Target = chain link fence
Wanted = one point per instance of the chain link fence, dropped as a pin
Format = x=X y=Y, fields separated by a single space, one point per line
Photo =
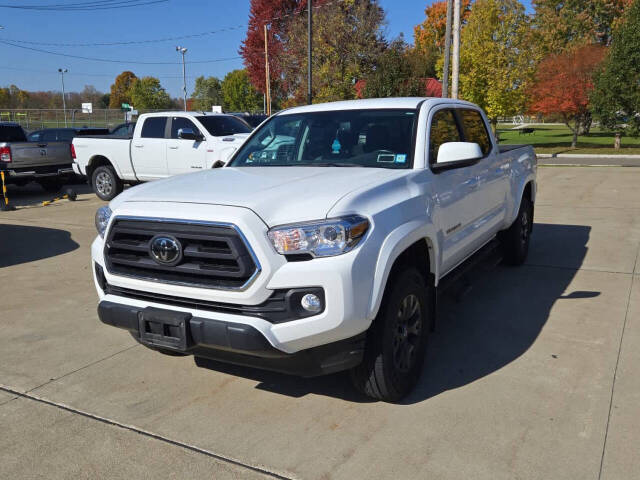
x=35 y=119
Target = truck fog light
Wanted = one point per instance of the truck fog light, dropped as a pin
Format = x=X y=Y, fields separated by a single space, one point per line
x=311 y=303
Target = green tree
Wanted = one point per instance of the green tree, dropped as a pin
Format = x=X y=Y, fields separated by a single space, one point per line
x=347 y=40
x=147 y=93
x=208 y=92
x=120 y=89
x=560 y=25
x=5 y=98
x=394 y=75
x=496 y=57
x=104 y=101
x=616 y=98
x=238 y=93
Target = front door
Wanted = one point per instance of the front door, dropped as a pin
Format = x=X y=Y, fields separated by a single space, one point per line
x=455 y=193
x=149 y=151
x=184 y=155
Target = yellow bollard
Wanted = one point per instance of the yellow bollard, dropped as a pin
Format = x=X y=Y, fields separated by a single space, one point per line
x=4 y=205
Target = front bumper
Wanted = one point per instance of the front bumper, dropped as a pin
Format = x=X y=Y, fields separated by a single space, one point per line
x=346 y=280
x=228 y=342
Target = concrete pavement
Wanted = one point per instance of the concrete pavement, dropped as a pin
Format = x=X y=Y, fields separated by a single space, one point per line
x=534 y=374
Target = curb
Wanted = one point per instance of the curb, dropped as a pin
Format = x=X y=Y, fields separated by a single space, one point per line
x=587 y=155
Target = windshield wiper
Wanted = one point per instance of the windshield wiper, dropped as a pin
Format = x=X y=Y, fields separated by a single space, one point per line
x=332 y=164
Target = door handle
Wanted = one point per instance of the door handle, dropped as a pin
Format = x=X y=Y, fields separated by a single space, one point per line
x=173 y=148
x=138 y=146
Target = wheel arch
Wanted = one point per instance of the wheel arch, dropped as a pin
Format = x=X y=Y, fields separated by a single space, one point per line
x=100 y=161
x=411 y=244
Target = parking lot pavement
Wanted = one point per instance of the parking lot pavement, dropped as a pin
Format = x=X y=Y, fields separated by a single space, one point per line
x=533 y=374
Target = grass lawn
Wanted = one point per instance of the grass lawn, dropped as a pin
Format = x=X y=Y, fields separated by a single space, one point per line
x=557 y=139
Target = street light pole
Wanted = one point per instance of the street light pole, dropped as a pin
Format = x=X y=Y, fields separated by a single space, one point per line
x=309 y=50
x=183 y=50
x=64 y=102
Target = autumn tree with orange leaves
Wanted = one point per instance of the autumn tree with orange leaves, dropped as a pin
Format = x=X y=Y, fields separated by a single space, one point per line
x=563 y=83
x=431 y=33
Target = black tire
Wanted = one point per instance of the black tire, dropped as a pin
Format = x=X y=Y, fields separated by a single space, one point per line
x=105 y=182
x=397 y=340
x=515 y=240
x=51 y=185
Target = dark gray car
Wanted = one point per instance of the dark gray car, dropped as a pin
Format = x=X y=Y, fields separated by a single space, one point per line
x=45 y=160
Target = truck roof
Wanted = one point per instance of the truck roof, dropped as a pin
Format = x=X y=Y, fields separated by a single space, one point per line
x=373 y=103
x=186 y=114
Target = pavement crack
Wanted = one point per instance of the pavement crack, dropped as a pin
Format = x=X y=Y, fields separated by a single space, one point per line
x=145 y=433
x=615 y=370
x=82 y=368
x=561 y=267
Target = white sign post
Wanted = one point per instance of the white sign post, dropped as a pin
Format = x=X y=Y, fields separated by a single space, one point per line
x=216 y=108
x=87 y=108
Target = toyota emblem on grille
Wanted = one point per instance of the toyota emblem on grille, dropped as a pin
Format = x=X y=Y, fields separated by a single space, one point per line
x=165 y=250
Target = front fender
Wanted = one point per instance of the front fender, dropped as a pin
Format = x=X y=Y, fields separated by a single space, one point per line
x=394 y=244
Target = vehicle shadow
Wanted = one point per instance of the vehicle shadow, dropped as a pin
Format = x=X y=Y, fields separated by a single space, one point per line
x=23 y=244
x=494 y=323
x=33 y=194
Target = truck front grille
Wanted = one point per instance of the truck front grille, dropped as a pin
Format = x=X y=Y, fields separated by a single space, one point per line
x=211 y=255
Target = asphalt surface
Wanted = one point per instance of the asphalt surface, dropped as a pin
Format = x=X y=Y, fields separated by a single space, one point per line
x=534 y=373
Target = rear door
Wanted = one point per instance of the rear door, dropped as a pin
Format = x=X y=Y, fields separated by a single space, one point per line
x=185 y=155
x=149 y=150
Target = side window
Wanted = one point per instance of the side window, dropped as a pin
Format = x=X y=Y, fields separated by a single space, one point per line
x=180 y=122
x=154 y=127
x=475 y=129
x=35 y=136
x=444 y=128
x=49 y=136
x=65 y=135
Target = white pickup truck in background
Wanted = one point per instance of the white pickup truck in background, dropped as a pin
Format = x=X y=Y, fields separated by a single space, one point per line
x=321 y=245
x=163 y=144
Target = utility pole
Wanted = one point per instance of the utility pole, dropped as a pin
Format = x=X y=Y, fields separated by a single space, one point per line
x=309 y=50
x=183 y=50
x=64 y=101
x=266 y=71
x=447 y=51
x=455 y=69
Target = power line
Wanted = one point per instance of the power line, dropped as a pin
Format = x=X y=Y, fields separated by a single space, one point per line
x=84 y=74
x=131 y=42
x=166 y=39
x=95 y=5
x=94 y=59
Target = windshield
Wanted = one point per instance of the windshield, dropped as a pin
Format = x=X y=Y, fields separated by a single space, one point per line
x=359 y=138
x=219 y=126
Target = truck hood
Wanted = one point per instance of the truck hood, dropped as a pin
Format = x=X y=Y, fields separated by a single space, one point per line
x=277 y=194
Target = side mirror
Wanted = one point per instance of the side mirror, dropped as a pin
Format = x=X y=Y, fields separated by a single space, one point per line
x=452 y=152
x=188 y=134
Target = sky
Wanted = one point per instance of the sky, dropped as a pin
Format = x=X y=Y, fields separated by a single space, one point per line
x=34 y=70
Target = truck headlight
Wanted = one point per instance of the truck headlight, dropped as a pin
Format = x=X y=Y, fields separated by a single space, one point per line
x=102 y=220
x=321 y=238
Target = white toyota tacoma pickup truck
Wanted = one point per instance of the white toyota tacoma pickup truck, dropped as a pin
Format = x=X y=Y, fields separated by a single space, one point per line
x=163 y=144
x=321 y=245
